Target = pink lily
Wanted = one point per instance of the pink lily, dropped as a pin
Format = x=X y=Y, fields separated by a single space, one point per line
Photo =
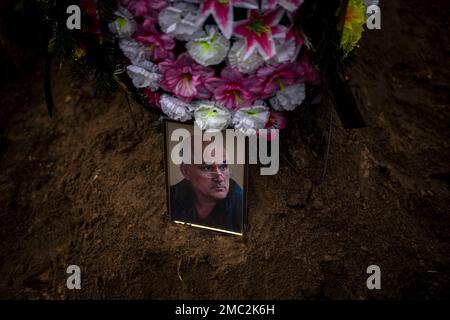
x=184 y=78
x=289 y=5
x=273 y=78
x=295 y=33
x=222 y=11
x=259 y=30
x=157 y=46
x=231 y=89
x=269 y=4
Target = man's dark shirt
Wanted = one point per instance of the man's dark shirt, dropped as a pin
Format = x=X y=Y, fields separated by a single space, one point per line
x=227 y=214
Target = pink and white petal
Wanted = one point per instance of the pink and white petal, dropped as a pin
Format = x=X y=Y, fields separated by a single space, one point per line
x=202 y=93
x=185 y=89
x=248 y=4
x=264 y=72
x=253 y=84
x=273 y=17
x=169 y=43
x=171 y=78
x=232 y=75
x=279 y=32
x=241 y=30
x=290 y=5
x=213 y=83
x=251 y=46
x=268 y=4
x=206 y=8
x=265 y=45
x=223 y=14
x=166 y=65
x=185 y=59
x=247 y=98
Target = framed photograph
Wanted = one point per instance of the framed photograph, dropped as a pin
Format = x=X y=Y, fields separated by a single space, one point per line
x=203 y=193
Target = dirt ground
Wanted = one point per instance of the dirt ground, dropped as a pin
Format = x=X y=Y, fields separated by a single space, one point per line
x=87 y=187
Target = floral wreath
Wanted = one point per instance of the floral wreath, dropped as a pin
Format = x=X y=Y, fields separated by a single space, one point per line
x=221 y=63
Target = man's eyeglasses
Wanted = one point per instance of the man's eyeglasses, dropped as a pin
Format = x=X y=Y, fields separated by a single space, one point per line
x=213 y=170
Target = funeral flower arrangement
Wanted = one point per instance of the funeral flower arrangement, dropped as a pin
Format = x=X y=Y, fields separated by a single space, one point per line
x=222 y=62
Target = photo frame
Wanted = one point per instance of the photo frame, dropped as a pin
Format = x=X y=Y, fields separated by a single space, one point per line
x=207 y=195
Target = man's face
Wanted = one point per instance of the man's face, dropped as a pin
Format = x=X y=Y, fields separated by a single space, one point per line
x=211 y=180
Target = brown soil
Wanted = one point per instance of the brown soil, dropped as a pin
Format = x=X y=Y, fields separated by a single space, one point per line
x=87 y=188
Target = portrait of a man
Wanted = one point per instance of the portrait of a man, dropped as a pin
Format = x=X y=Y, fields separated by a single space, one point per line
x=208 y=194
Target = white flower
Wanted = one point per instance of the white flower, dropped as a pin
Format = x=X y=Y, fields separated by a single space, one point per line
x=249 y=120
x=288 y=98
x=176 y=109
x=287 y=51
x=289 y=5
x=144 y=74
x=209 y=50
x=179 y=20
x=236 y=58
x=211 y=117
x=132 y=49
x=124 y=25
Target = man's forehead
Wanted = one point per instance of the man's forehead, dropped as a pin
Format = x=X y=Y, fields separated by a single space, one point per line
x=208 y=152
x=218 y=155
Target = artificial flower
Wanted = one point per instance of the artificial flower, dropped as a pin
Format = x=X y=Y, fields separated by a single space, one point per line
x=210 y=116
x=144 y=74
x=354 y=20
x=222 y=11
x=268 y=4
x=295 y=34
x=157 y=46
x=185 y=78
x=249 y=120
x=132 y=49
x=276 y=121
x=289 y=97
x=231 y=90
x=273 y=78
x=209 y=50
x=176 y=109
x=289 y=5
x=124 y=25
x=179 y=20
x=259 y=31
x=286 y=51
x=153 y=98
x=236 y=58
